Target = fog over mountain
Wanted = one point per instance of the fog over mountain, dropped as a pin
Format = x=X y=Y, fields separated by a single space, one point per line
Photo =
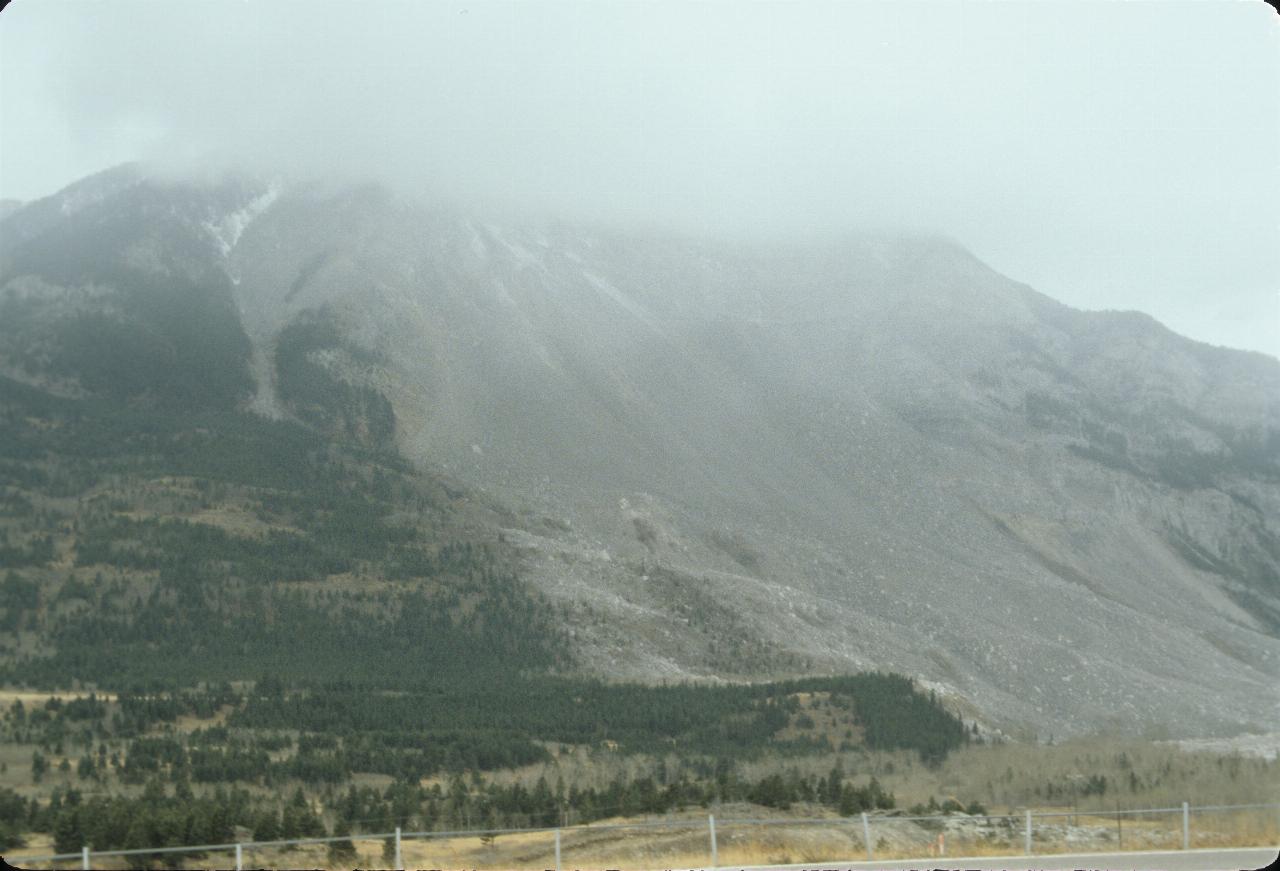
x=1114 y=155
x=725 y=459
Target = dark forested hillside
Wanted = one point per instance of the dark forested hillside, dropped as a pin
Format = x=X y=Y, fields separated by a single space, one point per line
x=182 y=547
x=147 y=549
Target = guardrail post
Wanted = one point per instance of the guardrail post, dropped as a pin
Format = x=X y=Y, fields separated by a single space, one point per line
x=1186 y=826
x=557 y=850
x=866 y=836
x=399 y=860
x=711 y=823
x=1027 y=838
x=84 y=858
x=239 y=857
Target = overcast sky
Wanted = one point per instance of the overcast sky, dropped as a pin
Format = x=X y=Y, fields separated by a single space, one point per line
x=1111 y=154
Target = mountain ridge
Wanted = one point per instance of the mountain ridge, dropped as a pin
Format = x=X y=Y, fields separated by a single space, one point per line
x=868 y=453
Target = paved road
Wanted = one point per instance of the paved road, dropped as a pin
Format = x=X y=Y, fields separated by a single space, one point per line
x=1174 y=860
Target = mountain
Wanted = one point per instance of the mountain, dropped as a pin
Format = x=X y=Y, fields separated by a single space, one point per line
x=715 y=458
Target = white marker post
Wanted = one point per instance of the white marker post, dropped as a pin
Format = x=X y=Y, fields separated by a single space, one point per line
x=557 y=850
x=866 y=836
x=711 y=822
x=84 y=858
x=1186 y=826
x=399 y=860
x=239 y=857
x=1028 y=837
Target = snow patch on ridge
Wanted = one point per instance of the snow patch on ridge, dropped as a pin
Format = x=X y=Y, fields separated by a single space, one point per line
x=629 y=305
x=227 y=232
x=523 y=256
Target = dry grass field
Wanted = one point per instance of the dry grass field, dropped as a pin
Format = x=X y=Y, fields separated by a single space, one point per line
x=1013 y=776
x=684 y=842
x=35 y=698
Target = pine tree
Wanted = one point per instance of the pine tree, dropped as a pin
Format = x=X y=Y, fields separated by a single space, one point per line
x=267 y=826
x=85 y=769
x=67 y=836
x=39 y=765
x=341 y=852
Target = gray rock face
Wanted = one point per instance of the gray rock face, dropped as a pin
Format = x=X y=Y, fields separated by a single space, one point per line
x=735 y=460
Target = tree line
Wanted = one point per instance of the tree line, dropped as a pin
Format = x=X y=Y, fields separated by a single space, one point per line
x=175 y=815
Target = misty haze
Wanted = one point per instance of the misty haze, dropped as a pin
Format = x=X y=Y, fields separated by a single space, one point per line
x=446 y=435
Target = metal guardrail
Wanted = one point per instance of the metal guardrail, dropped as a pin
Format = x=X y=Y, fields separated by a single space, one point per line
x=868 y=821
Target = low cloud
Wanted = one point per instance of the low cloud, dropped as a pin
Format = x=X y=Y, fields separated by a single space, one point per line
x=1112 y=155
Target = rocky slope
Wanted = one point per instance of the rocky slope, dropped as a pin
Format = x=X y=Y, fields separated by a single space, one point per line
x=726 y=459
